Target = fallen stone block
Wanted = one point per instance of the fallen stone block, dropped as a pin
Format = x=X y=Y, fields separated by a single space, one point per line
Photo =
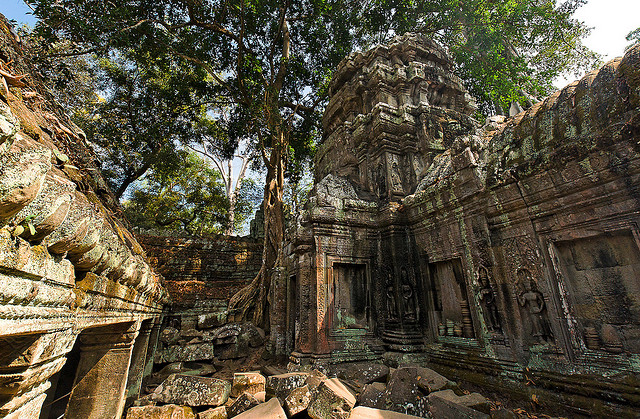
x=269 y=370
x=176 y=353
x=474 y=401
x=219 y=412
x=371 y=394
x=243 y=403
x=362 y=412
x=261 y=396
x=251 y=382
x=403 y=395
x=314 y=379
x=365 y=373
x=269 y=410
x=332 y=401
x=169 y=335
x=192 y=391
x=169 y=411
x=440 y=407
x=210 y=320
x=298 y=400
x=429 y=381
x=281 y=385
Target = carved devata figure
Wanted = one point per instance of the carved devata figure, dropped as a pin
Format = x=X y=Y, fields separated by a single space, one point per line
x=488 y=301
x=408 y=297
x=532 y=301
x=392 y=307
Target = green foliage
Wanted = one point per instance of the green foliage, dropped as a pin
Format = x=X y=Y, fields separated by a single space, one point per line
x=187 y=197
x=633 y=37
x=147 y=111
x=262 y=68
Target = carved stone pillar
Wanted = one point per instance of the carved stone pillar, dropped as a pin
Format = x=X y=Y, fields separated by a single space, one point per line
x=138 y=361
x=278 y=315
x=101 y=377
x=154 y=338
x=27 y=362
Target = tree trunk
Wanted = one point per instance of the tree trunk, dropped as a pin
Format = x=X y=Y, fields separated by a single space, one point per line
x=251 y=302
x=231 y=214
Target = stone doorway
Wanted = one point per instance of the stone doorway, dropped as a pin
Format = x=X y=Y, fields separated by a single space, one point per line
x=351 y=298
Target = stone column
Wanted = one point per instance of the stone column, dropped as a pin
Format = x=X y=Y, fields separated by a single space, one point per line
x=278 y=315
x=138 y=361
x=101 y=378
x=154 y=338
x=27 y=362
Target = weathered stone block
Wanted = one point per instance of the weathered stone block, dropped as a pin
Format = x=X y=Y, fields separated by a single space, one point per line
x=210 y=320
x=261 y=396
x=170 y=411
x=474 y=400
x=298 y=400
x=219 y=412
x=243 y=403
x=251 y=382
x=429 y=381
x=281 y=385
x=362 y=412
x=371 y=394
x=192 y=391
x=364 y=373
x=333 y=400
x=445 y=407
x=403 y=395
x=269 y=410
x=175 y=353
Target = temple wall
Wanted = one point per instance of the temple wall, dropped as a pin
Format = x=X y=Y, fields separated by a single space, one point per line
x=506 y=255
x=201 y=274
x=73 y=279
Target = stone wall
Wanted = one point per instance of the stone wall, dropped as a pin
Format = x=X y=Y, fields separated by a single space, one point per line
x=77 y=297
x=201 y=274
x=506 y=254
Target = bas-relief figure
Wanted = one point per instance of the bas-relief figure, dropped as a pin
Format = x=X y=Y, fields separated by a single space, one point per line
x=532 y=301
x=410 y=313
x=488 y=300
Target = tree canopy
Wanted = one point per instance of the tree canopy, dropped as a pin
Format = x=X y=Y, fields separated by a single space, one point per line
x=188 y=197
x=271 y=63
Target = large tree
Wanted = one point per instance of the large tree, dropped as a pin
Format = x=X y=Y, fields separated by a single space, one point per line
x=273 y=60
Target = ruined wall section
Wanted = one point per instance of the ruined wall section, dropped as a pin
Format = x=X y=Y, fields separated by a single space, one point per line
x=198 y=270
x=67 y=262
x=541 y=212
x=508 y=255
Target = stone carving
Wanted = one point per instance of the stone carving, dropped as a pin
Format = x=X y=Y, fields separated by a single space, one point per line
x=392 y=305
x=534 y=306
x=409 y=305
x=488 y=301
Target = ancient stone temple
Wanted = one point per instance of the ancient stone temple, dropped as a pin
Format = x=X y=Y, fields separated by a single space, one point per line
x=506 y=254
x=502 y=254
x=79 y=306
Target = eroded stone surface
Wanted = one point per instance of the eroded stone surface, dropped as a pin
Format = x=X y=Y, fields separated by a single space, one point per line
x=298 y=400
x=281 y=385
x=362 y=412
x=192 y=391
x=219 y=412
x=269 y=410
x=244 y=402
x=170 y=411
x=332 y=400
x=250 y=382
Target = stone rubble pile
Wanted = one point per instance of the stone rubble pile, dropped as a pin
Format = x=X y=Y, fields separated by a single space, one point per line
x=341 y=391
x=231 y=341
